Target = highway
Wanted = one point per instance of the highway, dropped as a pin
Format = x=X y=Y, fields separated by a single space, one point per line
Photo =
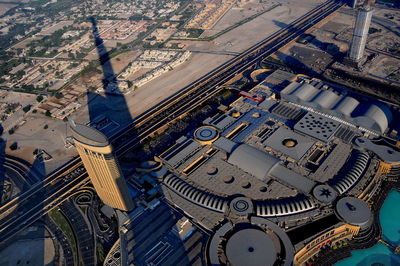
x=22 y=175
x=20 y=212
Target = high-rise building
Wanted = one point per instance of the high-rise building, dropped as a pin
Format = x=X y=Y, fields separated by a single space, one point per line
x=360 y=34
x=104 y=172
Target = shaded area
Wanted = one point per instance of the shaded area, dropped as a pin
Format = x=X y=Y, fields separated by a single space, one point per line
x=280 y=24
x=111 y=103
x=327 y=47
x=296 y=65
x=2 y=160
x=84 y=236
x=154 y=237
x=25 y=242
x=311 y=229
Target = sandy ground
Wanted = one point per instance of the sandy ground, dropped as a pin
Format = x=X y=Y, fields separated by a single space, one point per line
x=58 y=26
x=199 y=64
x=235 y=15
x=208 y=55
x=121 y=61
x=32 y=135
x=24 y=99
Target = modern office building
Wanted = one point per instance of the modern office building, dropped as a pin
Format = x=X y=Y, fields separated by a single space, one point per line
x=104 y=172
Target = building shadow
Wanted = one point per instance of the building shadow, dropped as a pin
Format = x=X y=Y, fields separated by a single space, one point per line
x=108 y=109
x=296 y=65
x=330 y=48
x=2 y=161
x=24 y=240
x=149 y=231
x=280 y=24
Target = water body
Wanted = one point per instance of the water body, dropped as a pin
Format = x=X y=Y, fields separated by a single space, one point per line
x=381 y=255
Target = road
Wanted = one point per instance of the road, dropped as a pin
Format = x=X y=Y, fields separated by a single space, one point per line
x=58 y=186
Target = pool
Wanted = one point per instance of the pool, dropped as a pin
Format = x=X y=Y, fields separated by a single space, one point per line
x=380 y=254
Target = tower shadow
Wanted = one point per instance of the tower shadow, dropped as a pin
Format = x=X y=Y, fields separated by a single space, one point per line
x=108 y=110
x=142 y=239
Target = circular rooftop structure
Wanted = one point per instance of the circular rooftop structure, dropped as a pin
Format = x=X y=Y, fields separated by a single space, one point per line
x=290 y=143
x=324 y=193
x=251 y=247
x=241 y=206
x=206 y=134
x=354 y=211
x=258 y=242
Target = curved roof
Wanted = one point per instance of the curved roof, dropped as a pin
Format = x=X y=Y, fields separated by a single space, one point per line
x=290 y=88
x=375 y=116
x=306 y=92
x=89 y=136
x=281 y=207
x=371 y=116
x=197 y=196
x=326 y=99
x=354 y=211
x=252 y=247
x=259 y=242
x=344 y=183
x=252 y=161
x=347 y=105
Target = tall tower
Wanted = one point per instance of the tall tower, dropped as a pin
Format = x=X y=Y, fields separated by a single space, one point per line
x=104 y=172
x=360 y=33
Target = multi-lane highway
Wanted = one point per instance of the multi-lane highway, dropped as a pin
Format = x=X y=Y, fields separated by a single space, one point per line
x=55 y=188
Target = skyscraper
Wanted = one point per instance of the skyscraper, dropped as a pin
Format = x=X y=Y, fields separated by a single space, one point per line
x=360 y=34
x=104 y=172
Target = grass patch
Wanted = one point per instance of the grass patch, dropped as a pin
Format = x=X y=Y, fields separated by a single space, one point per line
x=194 y=33
x=274 y=60
x=63 y=224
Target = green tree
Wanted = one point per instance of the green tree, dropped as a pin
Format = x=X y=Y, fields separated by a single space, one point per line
x=19 y=74
x=14 y=146
x=59 y=95
x=26 y=108
x=39 y=98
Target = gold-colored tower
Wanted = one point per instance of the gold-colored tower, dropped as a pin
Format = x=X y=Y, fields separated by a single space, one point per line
x=104 y=172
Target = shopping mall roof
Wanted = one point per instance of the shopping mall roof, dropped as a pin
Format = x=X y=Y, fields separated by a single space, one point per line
x=252 y=161
x=370 y=115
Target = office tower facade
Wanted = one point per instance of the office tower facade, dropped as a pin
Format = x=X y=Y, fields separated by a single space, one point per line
x=360 y=33
x=104 y=172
